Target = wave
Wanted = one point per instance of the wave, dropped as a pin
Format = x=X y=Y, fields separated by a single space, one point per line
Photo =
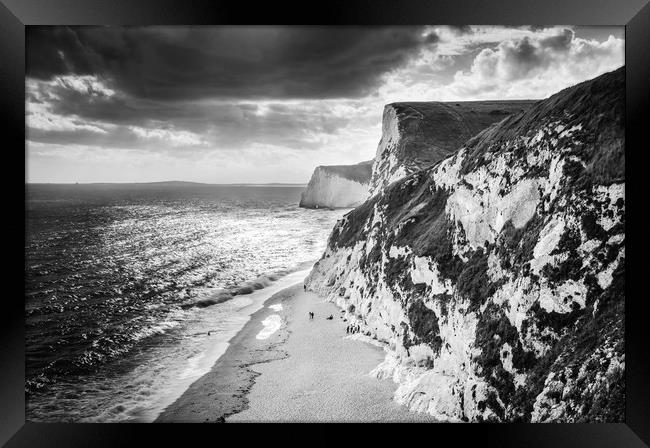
x=114 y=346
x=247 y=287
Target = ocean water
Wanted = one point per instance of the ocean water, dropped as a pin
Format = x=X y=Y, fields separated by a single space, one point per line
x=123 y=282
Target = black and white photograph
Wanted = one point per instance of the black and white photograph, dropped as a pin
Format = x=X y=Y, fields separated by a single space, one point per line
x=252 y=223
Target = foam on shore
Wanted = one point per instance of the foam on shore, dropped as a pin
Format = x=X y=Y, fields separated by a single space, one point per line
x=162 y=380
x=271 y=325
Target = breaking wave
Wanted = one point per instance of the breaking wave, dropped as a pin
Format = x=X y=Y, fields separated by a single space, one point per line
x=117 y=277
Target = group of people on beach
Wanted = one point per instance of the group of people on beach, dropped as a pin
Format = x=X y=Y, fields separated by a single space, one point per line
x=351 y=329
x=311 y=316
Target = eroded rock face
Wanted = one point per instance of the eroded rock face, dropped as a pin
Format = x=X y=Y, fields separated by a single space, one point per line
x=417 y=135
x=338 y=186
x=495 y=278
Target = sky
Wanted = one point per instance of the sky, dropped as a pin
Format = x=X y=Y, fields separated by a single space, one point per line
x=263 y=104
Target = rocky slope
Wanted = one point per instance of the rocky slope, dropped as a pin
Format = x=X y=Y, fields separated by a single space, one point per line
x=337 y=186
x=495 y=278
x=419 y=134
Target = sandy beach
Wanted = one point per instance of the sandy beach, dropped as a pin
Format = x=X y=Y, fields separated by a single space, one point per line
x=284 y=367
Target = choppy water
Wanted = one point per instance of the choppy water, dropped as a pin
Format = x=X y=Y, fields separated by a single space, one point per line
x=124 y=281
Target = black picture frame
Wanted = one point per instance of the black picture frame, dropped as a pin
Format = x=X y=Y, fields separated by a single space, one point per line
x=16 y=14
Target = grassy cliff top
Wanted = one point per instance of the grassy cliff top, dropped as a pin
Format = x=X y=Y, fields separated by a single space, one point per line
x=432 y=130
x=360 y=172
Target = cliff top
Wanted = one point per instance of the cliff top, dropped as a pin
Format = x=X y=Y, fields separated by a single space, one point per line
x=427 y=132
x=433 y=127
x=360 y=172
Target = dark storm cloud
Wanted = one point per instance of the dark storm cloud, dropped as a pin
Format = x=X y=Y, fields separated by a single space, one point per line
x=115 y=109
x=561 y=42
x=72 y=116
x=461 y=29
x=183 y=63
x=526 y=55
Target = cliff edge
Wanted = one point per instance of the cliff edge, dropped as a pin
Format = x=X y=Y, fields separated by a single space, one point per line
x=417 y=135
x=495 y=278
x=337 y=186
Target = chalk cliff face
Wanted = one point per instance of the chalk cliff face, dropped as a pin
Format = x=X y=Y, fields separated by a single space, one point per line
x=495 y=278
x=419 y=134
x=337 y=186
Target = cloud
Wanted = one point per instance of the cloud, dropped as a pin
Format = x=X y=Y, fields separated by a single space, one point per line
x=533 y=66
x=183 y=63
x=207 y=88
x=460 y=29
x=88 y=85
x=39 y=118
x=559 y=42
x=175 y=137
x=64 y=112
x=267 y=104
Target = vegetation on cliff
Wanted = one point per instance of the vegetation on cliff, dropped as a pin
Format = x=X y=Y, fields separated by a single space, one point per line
x=497 y=274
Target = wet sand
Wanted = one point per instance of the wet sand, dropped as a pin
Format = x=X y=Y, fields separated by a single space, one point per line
x=222 y=391
x=306 y=371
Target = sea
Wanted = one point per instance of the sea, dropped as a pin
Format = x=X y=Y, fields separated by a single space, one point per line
x=123 y=282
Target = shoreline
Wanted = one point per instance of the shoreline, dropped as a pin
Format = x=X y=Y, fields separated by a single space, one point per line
x=222 y=391
x=304 y=370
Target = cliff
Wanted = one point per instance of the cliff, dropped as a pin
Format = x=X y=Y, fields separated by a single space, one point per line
x=419 y=134
x=337 y=186
x=495 y=278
